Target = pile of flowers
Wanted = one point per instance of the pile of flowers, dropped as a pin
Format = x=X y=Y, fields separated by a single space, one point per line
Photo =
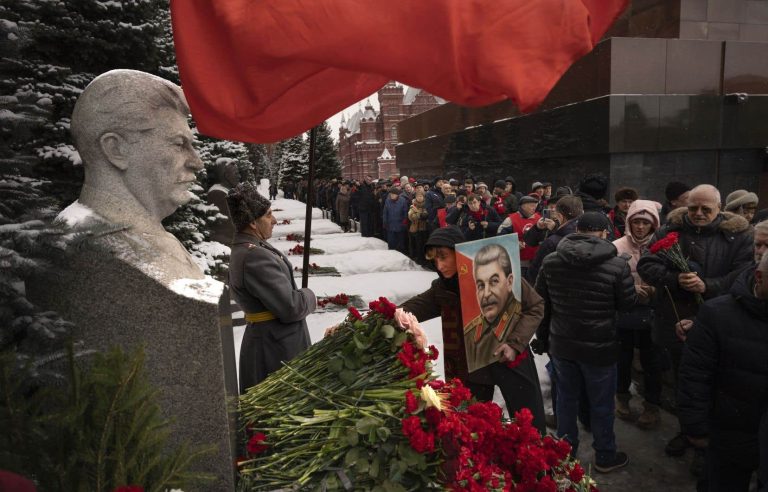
x=668 y=248
x=339 y=299
x=299 y=250
x=315 y=269
x=294 y=237
x=361 y=410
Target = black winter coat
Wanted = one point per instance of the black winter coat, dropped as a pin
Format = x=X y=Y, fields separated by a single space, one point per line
x=584 y=285
x=724 y=370
x=548 y=246
x=715 y=251
x=462 y=217
x=367 y=198
x=434 y=201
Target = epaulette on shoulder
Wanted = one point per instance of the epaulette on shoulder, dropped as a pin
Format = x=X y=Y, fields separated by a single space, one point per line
x=473 y=324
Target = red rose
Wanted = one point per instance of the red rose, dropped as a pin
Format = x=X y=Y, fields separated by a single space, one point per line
x=129 y=488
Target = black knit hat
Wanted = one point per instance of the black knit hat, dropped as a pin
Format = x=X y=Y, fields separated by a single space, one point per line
x=500 y=183
x=246 y=205
x=674 y=189
x=593 y=221
x=594 y=185
x=447 y=237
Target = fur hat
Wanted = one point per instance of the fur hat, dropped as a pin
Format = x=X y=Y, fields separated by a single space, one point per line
x=594 y=185
x=739 y=198
x=625 y=194
x=246 y=205
x=674 y=189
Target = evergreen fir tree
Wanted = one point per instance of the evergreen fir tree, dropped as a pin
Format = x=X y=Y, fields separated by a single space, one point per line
x=257 y=153
x=292 y=157
x=327 y=163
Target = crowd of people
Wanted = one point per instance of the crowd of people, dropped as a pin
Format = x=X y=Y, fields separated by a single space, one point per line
x=681 y=284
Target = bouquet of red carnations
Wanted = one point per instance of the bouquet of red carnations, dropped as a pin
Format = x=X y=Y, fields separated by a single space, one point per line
x=668 y=248
x=361 y=410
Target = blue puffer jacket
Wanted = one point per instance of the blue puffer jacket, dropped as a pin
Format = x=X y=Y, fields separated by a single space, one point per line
x=396 y=214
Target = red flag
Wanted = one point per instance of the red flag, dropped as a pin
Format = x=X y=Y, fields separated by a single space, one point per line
x=265 y=70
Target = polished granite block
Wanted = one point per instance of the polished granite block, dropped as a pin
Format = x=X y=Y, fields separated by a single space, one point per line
x=756 y=12
x=726 y=10
x=745 y=67
x=693 y=29
x=638 y=66
x=754 y=32
x=741 y=169
x=693 y=10
x=744 y=123
x=723 y=31
x=693 y=67
x=689 y=122
x=649 y=173
x=640 y=126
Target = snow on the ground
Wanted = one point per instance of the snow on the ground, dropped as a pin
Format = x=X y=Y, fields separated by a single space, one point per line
x=292 y=209
x=358 y=261
x=319 y=226
x=332 y=243
x=368 y=269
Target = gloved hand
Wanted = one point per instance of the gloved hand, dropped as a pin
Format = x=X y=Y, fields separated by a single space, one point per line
x=539 y=346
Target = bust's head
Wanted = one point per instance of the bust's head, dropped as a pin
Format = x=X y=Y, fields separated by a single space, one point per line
x=226 y=173
x=131 y=130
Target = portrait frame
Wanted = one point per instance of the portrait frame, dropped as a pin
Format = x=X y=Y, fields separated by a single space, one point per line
x=482 y=336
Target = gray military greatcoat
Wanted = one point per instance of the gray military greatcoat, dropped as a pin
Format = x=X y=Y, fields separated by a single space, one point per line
x=261 y=279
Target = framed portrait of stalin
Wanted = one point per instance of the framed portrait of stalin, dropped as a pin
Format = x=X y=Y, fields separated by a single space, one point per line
x=489 y=285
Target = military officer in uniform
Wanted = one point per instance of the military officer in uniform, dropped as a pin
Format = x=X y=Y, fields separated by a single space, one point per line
x=500 y=334
x=262 y=283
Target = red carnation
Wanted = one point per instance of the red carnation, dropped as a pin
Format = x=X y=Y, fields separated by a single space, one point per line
x=255 y=445
x=576 y=473
x=411 y=402
x=664 y=244
x=355 y=313
x=517 y=360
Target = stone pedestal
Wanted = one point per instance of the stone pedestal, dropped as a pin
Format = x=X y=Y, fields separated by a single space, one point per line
x=113 y=303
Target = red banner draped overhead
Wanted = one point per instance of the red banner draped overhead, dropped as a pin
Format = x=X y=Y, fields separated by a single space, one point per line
x=265 y=70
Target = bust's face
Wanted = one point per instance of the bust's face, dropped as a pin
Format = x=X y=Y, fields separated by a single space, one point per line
x=162 y=164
